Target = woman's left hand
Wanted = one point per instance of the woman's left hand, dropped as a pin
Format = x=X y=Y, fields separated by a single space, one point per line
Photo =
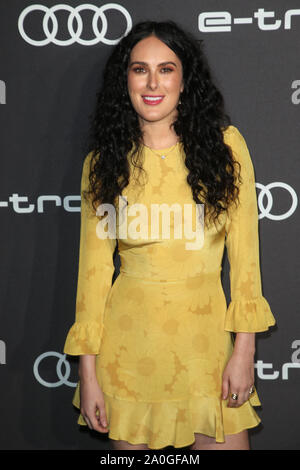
x=238 y=377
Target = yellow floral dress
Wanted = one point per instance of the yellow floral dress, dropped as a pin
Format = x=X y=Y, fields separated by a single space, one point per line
x=162 y=332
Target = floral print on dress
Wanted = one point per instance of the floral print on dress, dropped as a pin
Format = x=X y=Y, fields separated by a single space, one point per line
x=162 y=332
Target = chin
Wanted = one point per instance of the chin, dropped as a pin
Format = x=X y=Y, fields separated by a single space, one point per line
x=152 y=118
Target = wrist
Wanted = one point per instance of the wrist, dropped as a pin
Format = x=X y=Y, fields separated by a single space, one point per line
x=245 y=344
x=87 y=369
x=87 y=376
x=250 y=353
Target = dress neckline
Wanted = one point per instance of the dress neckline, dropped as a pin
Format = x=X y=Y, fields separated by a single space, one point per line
x=162 y=149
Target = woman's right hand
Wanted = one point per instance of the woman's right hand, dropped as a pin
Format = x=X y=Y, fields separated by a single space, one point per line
x=92 y=405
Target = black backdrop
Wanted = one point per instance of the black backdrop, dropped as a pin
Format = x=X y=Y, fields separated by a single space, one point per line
x=47 y=91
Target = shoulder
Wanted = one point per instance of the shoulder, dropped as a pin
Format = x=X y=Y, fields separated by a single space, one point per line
x=87 y=161
x=232 y=135
x=88 y=164
x=234 y=138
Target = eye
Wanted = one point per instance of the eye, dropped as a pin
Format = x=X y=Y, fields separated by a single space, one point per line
x=137 y=69
x=164 y=69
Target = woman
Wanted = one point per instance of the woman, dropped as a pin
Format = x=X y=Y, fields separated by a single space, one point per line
x=158 y=362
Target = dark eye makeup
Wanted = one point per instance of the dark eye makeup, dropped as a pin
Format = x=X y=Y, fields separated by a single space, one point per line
x=168 y=69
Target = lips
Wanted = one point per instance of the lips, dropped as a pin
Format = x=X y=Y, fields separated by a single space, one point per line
x=152 y=100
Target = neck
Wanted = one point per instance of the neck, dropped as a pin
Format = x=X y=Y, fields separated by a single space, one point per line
x=158 y=135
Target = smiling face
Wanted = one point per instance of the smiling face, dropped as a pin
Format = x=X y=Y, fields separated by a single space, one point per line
x=154 y=80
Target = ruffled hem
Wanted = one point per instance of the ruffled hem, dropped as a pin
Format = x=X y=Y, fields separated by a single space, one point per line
x=173 y=423
x=249 y=316
x=84 y=338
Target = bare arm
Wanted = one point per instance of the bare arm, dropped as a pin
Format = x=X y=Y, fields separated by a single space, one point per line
x=87 y=366
x=244 y=344
x=92 y=406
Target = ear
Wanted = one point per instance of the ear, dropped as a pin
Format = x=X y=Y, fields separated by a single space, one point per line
x=182 y=87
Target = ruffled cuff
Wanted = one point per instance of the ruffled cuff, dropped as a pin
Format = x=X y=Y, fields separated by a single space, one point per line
x=84 y=338
x=249 y=316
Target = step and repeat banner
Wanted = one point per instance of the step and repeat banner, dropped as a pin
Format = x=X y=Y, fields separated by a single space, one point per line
x=51 y=60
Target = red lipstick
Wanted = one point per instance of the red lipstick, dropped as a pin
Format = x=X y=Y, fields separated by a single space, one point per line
x=152 y=100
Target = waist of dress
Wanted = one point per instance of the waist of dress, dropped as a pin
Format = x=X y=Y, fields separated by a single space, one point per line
x=207 y=276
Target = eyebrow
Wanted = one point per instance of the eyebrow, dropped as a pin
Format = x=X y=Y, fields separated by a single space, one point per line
x=145 y=63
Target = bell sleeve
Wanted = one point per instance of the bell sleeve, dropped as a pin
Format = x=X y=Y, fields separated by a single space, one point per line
x=94 y=281
x=248 y=310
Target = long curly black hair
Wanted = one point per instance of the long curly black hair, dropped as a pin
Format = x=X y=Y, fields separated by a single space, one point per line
x=201 y=120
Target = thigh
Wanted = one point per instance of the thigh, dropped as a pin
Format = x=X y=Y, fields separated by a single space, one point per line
x=124 y=445
x=239 y=441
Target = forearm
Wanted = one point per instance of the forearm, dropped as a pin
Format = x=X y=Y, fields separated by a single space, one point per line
x=87 y=366
x=244 y=343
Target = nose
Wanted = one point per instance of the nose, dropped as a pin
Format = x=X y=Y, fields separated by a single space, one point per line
x=152 y=80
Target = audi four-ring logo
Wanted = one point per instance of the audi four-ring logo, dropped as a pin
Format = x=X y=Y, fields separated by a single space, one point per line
x=265 y=191
x=62 y=363
x=74 y=14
